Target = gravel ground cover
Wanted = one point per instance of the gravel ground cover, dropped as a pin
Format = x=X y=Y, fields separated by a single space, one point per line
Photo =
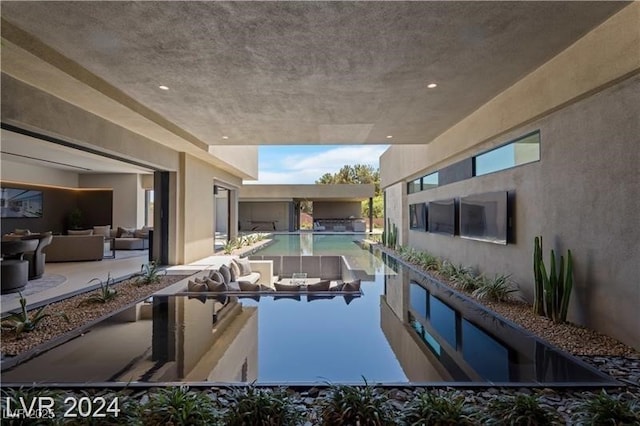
x=572 y=338
x=79 y=313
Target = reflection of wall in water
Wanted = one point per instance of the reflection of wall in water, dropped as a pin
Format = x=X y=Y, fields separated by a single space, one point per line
x=396 y=293
x=416 y=364
x=201 y=344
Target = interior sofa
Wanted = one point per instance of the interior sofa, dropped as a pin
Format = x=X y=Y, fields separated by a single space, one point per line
x=130 y=239
x=72 y=248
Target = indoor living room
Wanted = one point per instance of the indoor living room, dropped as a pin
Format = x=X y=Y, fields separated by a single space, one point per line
x=85 y=215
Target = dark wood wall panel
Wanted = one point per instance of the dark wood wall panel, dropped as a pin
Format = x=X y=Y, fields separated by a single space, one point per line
x=57 y=203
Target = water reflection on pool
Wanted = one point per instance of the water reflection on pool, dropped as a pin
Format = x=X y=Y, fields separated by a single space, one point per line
x=403 y=328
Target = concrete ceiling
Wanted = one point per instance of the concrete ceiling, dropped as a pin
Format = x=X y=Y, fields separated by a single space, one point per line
x=302 y=72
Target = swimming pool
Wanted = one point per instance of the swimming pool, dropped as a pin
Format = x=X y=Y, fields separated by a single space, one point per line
x=405 y=328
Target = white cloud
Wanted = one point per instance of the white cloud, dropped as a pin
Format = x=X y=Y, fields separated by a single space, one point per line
x=305 y=169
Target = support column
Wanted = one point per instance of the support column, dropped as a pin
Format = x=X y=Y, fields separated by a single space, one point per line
x=370 y=214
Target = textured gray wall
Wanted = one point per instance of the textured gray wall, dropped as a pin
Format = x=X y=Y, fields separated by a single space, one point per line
x=583 y=195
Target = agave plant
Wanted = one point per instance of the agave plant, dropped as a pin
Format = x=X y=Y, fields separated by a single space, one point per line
x=252 y=406
x=356 y=405
x=105 y=293
x=432 y=409
x=229 y=246
x=605 y=409
x=178 y=406
x=150 y=274
x=23 y=322
x=498 y=289
x=465 y=279
x=519 y=410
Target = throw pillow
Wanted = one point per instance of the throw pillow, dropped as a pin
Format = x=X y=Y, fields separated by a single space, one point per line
x=125 y=232
x=235 y=271
x=193 y=286
x=286 y=287
x=226 y=273
x=248 y=286
x=215 y=286
x=352 y=286
x=244 y=265
x=319 y=286
x=233 y=286
x=216 y=276
x=19 y=231
x=140 y=233
x=102 y=230
x=81 y=232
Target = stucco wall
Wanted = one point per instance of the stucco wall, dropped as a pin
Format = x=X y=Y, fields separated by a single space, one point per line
x=30 y=173
x=396 y=210
x=195 y=196
x=336 y=209
x=27 y=107
x=274 y=211
x=583 y=195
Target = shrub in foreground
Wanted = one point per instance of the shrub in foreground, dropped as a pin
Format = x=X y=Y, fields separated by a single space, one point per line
x=429 y=408
x=356 y=405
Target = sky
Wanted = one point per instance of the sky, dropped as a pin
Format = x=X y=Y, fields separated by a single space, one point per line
x=304 y=164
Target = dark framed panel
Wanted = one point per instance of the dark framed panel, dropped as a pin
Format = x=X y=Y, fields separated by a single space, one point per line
x=486 y=217
x=418 y=217
x=442 y=217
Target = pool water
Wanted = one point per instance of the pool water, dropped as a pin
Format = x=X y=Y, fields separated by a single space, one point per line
x=404 y=328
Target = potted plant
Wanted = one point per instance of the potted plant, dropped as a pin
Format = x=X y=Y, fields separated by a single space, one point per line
x=75 y=219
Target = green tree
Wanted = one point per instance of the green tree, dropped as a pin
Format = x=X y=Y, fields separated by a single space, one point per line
x=358 y=174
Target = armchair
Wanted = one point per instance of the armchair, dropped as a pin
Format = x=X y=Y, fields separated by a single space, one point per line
x=36 y=258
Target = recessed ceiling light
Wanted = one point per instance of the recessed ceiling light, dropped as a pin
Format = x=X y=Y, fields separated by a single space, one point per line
x=163 y=87
x=389 y=137
x=432 y=85
x=225 y=137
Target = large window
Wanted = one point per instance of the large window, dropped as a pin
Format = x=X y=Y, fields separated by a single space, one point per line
x=414 y=186
x=430 y=181
x=425 y=182
x=521 y=151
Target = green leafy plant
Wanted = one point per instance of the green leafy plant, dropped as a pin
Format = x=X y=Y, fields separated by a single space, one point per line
x=463 y=278
x=260 y=407
x=105 y=293
x=538 y=293
x=178 y=406
x=75 y=218
x=429 y=408
x=498 y=289
x=605 y=409
x=23 y=322
x=150 y=274
x=519 y=410
x=390 y=235
x=356 y=405
x=556 y=284
x=229 y=246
